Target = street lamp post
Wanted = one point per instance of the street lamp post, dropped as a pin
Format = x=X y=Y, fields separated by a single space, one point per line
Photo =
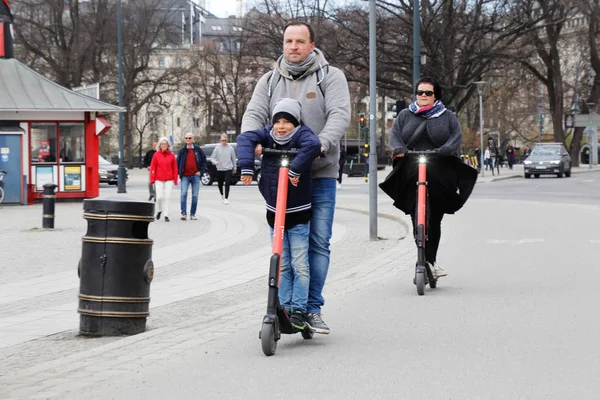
x=592 y=130
x=480 y=86
x=416 y=45
x=121 y=182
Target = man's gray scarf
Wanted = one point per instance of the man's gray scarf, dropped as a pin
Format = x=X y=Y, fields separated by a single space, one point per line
x=296 y=69
x=285 y=139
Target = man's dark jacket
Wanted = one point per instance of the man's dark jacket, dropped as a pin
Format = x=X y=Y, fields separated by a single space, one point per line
x=200 y=159
x=148 y=157
x=450 y=182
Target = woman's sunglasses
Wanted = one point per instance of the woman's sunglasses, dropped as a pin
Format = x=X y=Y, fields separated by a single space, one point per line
x=427 y=93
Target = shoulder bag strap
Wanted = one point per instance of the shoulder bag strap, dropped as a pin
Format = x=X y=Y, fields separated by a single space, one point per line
x=416 y=134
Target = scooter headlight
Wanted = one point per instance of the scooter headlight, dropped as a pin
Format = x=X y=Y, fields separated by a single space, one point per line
x=422 y=159
x=285 y=162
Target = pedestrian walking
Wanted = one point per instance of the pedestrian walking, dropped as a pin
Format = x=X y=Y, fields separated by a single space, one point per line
x=303 y=73
x=147 y=161
x=163 y=174
x=191 y=164
x=224 y=159
x=286 y=133
x=510 y=156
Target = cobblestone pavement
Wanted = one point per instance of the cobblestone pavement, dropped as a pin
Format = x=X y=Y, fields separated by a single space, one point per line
x=209 y=281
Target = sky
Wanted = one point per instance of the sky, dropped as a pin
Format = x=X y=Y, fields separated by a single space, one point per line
x=222 y=8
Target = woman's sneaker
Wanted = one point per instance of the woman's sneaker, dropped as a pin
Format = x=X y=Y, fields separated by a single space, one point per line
x=316 y=324
x=298 y=320
x=438 y=271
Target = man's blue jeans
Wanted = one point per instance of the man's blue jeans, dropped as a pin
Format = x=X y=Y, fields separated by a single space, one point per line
x=186 y=181
x=321 y=224
x=295 y=271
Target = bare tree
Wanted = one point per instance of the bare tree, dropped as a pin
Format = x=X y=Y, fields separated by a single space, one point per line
x=63 y=38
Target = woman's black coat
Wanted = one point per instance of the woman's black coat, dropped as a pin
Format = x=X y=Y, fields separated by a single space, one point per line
x=450 y=182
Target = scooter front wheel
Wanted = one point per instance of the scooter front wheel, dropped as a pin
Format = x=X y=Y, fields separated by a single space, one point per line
x=267 y=339
x=420 y=282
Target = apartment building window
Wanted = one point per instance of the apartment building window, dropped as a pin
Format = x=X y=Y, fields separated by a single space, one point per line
x=196 y=122
x=178 y=61
x=161 y=61
x=178 y=122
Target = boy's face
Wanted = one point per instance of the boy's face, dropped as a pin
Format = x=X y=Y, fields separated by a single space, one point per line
x=282 y=126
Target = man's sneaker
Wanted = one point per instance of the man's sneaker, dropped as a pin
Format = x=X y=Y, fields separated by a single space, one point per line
x=158 y=215
x=438 y=271
x=183 y=217
x=298 y=320
x=316 y=324
x=193 y=218
x=167 y=219
x=225 y=201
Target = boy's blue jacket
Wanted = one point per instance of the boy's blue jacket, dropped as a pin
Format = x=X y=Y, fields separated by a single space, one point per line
x=309 y=147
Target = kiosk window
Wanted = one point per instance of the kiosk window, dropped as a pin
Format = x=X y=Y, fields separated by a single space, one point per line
x=72 y=146
x=43 y=143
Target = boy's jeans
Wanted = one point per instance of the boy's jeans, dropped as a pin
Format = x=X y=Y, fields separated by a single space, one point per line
x=321 y=224
x=295 y=271
x=186 y=181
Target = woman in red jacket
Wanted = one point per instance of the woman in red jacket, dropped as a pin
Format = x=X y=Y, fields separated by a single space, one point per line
x=163 y=174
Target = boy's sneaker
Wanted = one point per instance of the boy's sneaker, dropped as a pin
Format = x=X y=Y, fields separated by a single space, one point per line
x=298 y=320
x=225 y=201
x=183 y=217
x=438 y=271
x=316 y=324
x=193 y=218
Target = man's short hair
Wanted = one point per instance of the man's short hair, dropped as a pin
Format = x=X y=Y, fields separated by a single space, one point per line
x=311 y=31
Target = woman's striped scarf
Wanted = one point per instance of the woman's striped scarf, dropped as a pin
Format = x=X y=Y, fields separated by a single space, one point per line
x=428 y=112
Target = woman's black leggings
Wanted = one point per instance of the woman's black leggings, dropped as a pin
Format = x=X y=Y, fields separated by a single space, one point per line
x=224 y=177
x=436 y=213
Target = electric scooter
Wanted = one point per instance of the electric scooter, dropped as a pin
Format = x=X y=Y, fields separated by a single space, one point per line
x=277 y=320
x=423 y=271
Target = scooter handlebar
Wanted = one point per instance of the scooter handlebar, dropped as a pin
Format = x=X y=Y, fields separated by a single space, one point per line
x=278 y=152
x=422 y=152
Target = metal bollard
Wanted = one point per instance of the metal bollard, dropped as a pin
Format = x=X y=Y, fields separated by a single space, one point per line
x=116 y=267
x=48 y=206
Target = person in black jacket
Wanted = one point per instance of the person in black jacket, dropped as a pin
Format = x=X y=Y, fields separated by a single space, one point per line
x=287 y=132
x=426 y=125
x=147 y=161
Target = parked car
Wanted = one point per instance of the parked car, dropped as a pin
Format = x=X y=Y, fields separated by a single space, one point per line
x=549 y=159
x=108 y=171
x=210 y=175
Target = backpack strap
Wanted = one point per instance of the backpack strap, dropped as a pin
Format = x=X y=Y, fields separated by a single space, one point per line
x=270 y=80
x=275 y=77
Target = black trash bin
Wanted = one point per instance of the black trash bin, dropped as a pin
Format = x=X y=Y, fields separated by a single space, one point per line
x=116 y=267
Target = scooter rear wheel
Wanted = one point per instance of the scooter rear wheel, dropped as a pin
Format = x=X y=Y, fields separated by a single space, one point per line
x=267 y=339
x=420 y=281
x=433 y=283
x=307 y=334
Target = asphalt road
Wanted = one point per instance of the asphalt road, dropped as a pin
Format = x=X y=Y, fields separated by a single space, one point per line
x=517 y=317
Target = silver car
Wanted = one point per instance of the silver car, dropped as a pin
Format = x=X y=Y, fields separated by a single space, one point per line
x=548 y=159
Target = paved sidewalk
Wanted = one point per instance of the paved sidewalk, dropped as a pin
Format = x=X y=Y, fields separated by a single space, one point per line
x=209 y=280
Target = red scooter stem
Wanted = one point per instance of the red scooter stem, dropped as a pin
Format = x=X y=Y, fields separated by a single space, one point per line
x=280 y=208
x=422 y=195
